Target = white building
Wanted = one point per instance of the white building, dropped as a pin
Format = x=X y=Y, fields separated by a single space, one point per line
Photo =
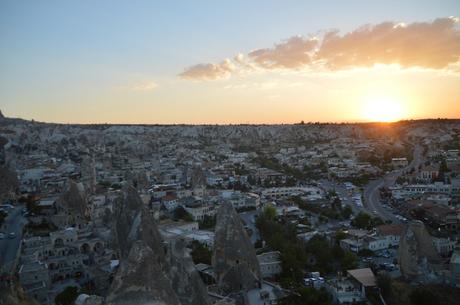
x=270 y=263
x=311 y=192
x=391 y=232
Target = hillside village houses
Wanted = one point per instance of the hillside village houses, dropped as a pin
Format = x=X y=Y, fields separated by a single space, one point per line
x=71 y=179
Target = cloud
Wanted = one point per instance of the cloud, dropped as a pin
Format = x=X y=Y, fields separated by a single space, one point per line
x=430 y=45
x=144 y=86
x=209 y=71
x=294 y=53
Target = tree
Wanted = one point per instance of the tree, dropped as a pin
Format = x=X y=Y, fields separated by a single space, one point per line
x=339 y=235
x=208 y=222
x=307 y=296
x=366 y=252
x=336 y=203
x=365 y=221
x=347 y=212
x=384 y=283
x=362 y=221
x=318 y=246
x=67 y=297
x=181 y=213
x=269 y=212
x=32 y=206
x=423 y=296
x=349 y=261
x=200 y=253
x=293 y=260
x=2 y=217
x=330 y=194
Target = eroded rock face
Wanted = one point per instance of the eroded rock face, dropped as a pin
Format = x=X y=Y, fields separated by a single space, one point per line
x=135 y=230
x=234 y=259
x=3 y=141
x=416 y=254
x=186 y=281
x=15 y=295
x=72 y=205
x=88 y=173
x=198 y=179
x=8 y=183
x=141 y=281
x=133 y=222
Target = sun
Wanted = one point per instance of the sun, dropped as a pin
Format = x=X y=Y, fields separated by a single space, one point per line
x=383 y=110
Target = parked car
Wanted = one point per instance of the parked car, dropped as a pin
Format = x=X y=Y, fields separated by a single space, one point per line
x=12 y=235
x=2 y=235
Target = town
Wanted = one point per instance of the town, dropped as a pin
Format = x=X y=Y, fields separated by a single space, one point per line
x=310 y=213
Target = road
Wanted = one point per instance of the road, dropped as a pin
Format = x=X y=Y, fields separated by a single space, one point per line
x=249 y=221
x=372 y=194
x=14 y=222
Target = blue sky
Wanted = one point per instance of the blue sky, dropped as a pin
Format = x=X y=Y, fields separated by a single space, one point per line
x=59 y=55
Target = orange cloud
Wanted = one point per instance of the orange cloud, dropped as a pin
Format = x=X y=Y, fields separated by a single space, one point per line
x=428 y=45
x=434 y=45
x=209 y=71
x=294 y=53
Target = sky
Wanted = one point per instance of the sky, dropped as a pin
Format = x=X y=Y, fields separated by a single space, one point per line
x=229 y=62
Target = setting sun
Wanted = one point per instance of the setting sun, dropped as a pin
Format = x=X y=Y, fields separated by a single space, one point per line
x=383 y=110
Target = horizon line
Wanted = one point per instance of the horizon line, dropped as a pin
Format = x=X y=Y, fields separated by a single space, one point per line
x=300 y=123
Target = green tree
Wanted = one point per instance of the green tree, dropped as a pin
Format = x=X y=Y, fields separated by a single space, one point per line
x=362 y=221
x=384 y=282
x=208 y=222
x=307 y=296
x=293 y=260
x=181 y=213
x=32 y=207
x=67 y=297
x=2 y=217
x=269 y=212
x=423 y=296
x=339 y=235
x=200 y=253
x=349 y=261
x=347 y=212
x=366 y=253
x=336 y=203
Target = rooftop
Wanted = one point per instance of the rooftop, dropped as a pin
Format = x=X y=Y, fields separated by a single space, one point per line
x=365 y=276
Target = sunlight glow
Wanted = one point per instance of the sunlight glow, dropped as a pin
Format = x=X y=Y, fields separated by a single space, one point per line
x=383 y=110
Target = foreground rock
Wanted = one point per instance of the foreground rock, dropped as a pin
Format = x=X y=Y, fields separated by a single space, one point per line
x=15 y=295
x=72 y=207
x=8 y=184
x=133 y=222
x=234 y=259
x=140 y=280
x=185 y=279
x=417 y=256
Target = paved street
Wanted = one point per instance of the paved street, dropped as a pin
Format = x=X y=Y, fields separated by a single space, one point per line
x=372 y=194
x=9 y=246
x=249 y=221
